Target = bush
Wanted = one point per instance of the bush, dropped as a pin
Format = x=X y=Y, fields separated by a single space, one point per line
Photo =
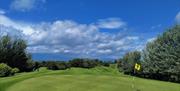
x=5 y=70
x=128 y=61
x=83 y=63
x=56 y=65
x=106 y=64
x=14 y=70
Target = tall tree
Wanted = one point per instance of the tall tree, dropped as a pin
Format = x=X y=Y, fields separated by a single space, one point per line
x=162 y=56
x=13 y=52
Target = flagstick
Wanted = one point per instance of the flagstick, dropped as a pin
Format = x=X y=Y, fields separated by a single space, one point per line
x=136 y=68
x=133 y=79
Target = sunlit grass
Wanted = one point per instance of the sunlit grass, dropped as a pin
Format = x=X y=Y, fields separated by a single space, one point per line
x=78 y=79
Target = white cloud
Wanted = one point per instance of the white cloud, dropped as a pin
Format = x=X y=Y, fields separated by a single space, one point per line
x=111 y=23
x=25 y=29
x=132 y=37
x=106 y=51
x=25 y=5
x=69 y=37
x=156 y=26
x=2 y=12
x=151 y=39
x=177 y=18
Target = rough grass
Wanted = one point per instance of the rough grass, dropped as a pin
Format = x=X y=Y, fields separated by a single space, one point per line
x=78 y=79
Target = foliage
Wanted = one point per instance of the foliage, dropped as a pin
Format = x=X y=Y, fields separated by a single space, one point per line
x=88 y=63
x=128 y=61
x=77 y=62
x=84 y=63
x=14 y=70
x=5 y=70
x=162 y=56
x=13 y=53
x=54 y=65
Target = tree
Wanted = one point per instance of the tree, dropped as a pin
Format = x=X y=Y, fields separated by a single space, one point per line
x=128 y=61
x=162 y=56
x=13 y=53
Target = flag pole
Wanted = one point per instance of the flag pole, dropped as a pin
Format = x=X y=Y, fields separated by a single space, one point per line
x=137 y=67
x=133 y=79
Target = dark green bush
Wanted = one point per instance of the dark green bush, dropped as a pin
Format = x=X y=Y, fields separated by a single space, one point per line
x=87 y=63
x=128 y=61
x=53 y=65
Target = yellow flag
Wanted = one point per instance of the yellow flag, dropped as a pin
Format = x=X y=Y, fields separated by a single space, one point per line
x=137 y=66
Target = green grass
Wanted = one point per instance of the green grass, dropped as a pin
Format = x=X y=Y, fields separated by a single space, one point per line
x=78 y=79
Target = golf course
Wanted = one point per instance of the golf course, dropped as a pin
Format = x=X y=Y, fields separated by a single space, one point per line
x=89 y=45
x=79 y=79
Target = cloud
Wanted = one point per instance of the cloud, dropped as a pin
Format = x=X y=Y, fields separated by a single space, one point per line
x=156 y=26
x=111 y=23
x=70 y=38
x=25 y=5
x=24 y=28
x=177 y=18
x=2 y=12
x=151 y=39
x=132 y=37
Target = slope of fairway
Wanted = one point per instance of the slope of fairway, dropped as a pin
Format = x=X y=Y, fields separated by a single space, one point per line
x=78 y=79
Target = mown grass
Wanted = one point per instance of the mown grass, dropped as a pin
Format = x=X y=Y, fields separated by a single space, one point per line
x=78 y=79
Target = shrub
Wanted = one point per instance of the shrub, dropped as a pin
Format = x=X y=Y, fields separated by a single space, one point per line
x=14 y=70
x=56 y=65
x=84 y=63
x=5 y=70
x=106 y=64
x=128 y=61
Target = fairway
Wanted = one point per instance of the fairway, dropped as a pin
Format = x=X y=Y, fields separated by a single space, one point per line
x=78 y=79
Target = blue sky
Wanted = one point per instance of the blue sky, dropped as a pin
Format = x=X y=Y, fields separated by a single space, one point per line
x=105 y=29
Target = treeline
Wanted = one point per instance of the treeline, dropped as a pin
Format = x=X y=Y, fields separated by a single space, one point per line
x=159 y=60
x=77 y=62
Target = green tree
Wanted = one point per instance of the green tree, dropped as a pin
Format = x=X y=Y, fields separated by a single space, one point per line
x=162 y=56
x=128 y=61
x=13 y=53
